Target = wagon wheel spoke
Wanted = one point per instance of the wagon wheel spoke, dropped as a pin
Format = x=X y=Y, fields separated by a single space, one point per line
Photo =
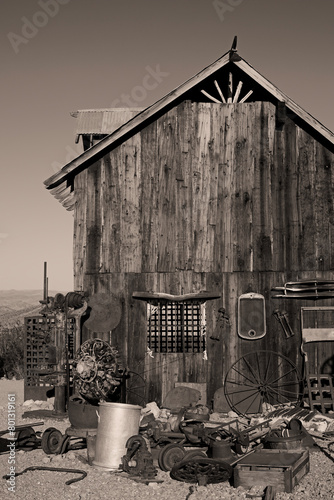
x=236 y=382
x=282 y=392
x=267 y=368
x=279 y=384
x=243 y=375
x=242 y=391
x=135 y=389
x=282 y=376
x=281 y=398
x=255 y=395
x=257 y=379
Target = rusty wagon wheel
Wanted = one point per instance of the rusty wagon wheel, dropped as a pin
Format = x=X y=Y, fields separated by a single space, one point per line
x=52 y=441
x=171 y=454
x=202 y=471
x=261 y=377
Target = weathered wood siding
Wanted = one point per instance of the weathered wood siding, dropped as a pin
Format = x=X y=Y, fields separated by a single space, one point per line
x=209 y=197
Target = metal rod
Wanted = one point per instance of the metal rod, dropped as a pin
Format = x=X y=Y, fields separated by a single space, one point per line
x=45 y=286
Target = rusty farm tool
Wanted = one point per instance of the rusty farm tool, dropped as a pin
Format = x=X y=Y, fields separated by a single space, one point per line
x=282 y=318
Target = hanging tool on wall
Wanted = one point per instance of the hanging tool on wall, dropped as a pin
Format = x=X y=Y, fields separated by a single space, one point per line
x=282 y=318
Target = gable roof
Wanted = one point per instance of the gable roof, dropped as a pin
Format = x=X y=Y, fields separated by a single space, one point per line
x=63 y=192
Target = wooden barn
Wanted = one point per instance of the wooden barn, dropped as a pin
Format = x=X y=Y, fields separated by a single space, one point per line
x=210 y=215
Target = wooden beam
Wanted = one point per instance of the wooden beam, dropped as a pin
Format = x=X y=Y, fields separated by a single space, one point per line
x=237 y=92
x=230 y=88
x=210 y=96
x=175 y=298
x=220 y=92
x=246 y=96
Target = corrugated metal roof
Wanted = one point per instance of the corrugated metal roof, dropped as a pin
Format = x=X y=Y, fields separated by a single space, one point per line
x=103 y=121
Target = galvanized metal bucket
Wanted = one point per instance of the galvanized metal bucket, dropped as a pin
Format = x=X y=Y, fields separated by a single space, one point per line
x=117 y=422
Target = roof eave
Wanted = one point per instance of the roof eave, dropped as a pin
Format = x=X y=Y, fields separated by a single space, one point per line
x=111 y=141
x=98 y=150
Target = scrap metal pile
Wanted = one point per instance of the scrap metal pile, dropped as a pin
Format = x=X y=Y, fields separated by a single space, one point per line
x=213 y=447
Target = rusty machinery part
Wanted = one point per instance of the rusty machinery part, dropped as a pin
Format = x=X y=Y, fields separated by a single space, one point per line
x=195 y=432
x=202 y=471
x=97 y=370
x=52 y=441
x=241 y=442
x=53 y=469
x=261 y=377
x=138 y=461
x=169 y=455
x=26 y=439
x=331 y=447
x=194 y=454
x=74 y=300
x=283 y=320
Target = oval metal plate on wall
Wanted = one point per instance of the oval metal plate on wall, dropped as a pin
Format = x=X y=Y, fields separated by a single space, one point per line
x=251 y=316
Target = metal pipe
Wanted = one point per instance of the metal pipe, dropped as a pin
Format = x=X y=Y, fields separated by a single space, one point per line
x=45 y=286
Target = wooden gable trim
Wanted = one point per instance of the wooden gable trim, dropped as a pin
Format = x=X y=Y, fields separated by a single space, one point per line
x=280 y=96
x=111 y=141
x=134 y=125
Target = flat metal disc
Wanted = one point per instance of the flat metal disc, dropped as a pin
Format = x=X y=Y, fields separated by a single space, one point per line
x=105 y=313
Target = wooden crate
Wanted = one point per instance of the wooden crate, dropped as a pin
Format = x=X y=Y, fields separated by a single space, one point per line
x=281 y=468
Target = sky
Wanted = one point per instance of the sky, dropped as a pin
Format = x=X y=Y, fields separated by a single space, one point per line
x=59 y=56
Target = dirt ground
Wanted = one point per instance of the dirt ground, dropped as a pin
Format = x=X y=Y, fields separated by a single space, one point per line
x=11 y=387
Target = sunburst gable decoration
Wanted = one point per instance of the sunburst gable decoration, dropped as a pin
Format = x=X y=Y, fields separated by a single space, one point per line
x=230 y=97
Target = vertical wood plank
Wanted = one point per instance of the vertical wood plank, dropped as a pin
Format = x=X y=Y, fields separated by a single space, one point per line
x=149 y=198
x=214 y=160
x=166 y=130
x=277 y=193
x=225 y=188
x=111 y=252
x=263 y=136
x=242 y=194
x=307 y=185
x=79 y=231
x=292 y=229
x=93 y=218
x=203 y=244
x=130 y=187
x=183 y=177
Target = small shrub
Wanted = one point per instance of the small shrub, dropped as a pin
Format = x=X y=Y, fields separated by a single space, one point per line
x=12 y=352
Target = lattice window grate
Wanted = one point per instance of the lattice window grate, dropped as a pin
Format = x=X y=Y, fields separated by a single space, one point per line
x=176 y=326
x=39 y=332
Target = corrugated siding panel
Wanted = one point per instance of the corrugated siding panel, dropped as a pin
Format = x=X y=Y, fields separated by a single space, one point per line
x=103 y=121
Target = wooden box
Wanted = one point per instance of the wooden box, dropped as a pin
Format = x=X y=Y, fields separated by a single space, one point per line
x=281 y=468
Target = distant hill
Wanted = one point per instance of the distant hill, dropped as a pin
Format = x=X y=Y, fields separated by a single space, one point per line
x=15 y=305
